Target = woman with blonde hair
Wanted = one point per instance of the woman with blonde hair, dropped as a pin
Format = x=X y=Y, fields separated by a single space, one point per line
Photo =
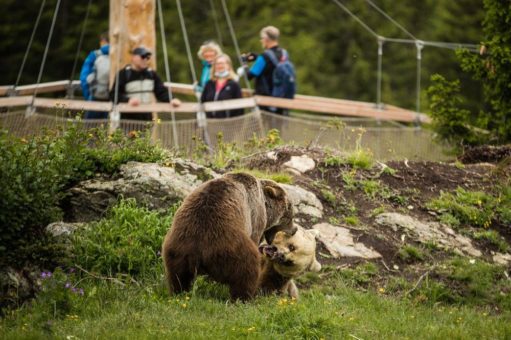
x=208 y=51
x=223 y=85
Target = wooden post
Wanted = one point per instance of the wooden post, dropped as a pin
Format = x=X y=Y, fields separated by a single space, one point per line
x=132 y=24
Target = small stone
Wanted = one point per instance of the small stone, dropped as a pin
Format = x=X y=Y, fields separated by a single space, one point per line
x=410 y=207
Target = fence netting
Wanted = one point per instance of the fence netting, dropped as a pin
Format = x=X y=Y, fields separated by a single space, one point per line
x=386 y=140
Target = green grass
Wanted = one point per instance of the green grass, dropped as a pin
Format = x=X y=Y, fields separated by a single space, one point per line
x=335 y=311
x=279 y=177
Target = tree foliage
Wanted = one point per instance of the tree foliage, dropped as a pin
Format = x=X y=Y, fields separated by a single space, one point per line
x=491 y=122
x=334 y=55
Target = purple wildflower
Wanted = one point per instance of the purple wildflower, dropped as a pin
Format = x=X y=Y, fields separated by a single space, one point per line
x=43 y=275
x=68 y=285
x=80 y=291
x=158 y=253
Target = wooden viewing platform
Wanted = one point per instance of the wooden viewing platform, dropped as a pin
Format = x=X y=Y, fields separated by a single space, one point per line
x=23 y=96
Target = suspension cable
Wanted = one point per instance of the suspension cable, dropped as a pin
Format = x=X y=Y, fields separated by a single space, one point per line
x=45 y=52
x=201 y=115
x=357 y=19
x=235 y=41
x=187 y=43
x=79 y=48
x=391 y=19
x=215 y=19
x=167 y=73
x=30 y=43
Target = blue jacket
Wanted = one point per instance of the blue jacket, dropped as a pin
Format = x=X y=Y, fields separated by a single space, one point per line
x=88 y=68
x=205 y=75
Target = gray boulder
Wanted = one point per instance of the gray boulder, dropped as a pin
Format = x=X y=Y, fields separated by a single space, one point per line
x=156 y=186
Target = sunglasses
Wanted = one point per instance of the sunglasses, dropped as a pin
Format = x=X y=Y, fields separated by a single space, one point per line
x=146 y=56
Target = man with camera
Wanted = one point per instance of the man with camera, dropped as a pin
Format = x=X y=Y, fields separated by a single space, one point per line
x=269 y=68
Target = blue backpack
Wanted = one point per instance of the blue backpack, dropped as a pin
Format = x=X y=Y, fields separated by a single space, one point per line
x=284 y=76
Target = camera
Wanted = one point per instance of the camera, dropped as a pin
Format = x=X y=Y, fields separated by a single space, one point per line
x=248 y=57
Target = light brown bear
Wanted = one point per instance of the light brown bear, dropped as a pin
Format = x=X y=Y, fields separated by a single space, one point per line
x=218 y=228
x=289 y=255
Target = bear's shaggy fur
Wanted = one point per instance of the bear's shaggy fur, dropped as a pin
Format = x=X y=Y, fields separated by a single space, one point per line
x=217 y=229
x=288 y=256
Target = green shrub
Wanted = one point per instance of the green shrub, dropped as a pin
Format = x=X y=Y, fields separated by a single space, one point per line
x=494 y=238
x=472 y=208
x=410 y=253
x=30 y=183
x=360 y=159
x=35 y=172
x=127 y=241
x=351 y=220
x=109 y=151
x=279 y=177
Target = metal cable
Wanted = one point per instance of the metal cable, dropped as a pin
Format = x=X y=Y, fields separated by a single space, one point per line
x=187 y=43
x=46 y=51
x=391 y=19
x=79 y=48
x=30 y=43
x=167 y=73
x=235 y=41
x=217 y=26
x=357 y=19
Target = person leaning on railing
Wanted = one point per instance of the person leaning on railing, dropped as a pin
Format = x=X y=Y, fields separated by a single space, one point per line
x=222 y=85
x=137 y=84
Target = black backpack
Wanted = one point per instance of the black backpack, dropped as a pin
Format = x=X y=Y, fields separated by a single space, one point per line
x=284 y=76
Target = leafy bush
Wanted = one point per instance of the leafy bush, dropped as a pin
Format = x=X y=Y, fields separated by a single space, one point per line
x=473 y=208
x=30 y=182
x=127 y=241
x=34 y=172
x=109 y=151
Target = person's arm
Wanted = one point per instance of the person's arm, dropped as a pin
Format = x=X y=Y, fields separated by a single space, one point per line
x=160 y=91
x=121 y=96
x=257 y=69
x=87 y=68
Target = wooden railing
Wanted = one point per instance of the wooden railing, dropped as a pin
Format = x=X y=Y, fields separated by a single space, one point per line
x=339 y=107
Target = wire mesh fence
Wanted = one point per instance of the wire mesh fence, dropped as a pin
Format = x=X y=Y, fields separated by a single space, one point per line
x=386 y=140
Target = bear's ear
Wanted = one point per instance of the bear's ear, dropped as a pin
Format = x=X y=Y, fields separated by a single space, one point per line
x=272 y=192
x=292 y=231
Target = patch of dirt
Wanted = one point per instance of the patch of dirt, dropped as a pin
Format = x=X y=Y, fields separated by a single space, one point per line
x=486 y=153
x=404 y=187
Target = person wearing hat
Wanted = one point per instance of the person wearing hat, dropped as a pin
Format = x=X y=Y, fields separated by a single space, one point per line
x=138 y=83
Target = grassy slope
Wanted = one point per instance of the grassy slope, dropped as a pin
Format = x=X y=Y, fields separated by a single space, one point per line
x=108 y=310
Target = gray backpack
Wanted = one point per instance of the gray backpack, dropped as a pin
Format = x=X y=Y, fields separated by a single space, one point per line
x=99 y=84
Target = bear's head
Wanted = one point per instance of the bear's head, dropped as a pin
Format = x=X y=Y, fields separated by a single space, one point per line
x=293 y=253
x=279 y=210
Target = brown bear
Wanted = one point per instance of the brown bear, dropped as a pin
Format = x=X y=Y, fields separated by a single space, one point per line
x=217 y=229
x=289 y=255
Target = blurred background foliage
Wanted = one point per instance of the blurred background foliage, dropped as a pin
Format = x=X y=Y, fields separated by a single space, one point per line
x=333 y=54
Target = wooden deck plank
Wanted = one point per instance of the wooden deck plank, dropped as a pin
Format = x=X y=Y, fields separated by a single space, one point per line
x=15 y=101
x=76 y=105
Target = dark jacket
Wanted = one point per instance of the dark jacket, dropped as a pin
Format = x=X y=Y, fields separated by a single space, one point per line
x=129 y=75
x=231 y=90
x=262 y=71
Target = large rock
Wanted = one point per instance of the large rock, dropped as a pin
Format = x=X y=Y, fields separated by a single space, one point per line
x=17 y=285
x=339 y=242
x=440 y=234
x=304 y=202
x=156 y=186
x=300 y=164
